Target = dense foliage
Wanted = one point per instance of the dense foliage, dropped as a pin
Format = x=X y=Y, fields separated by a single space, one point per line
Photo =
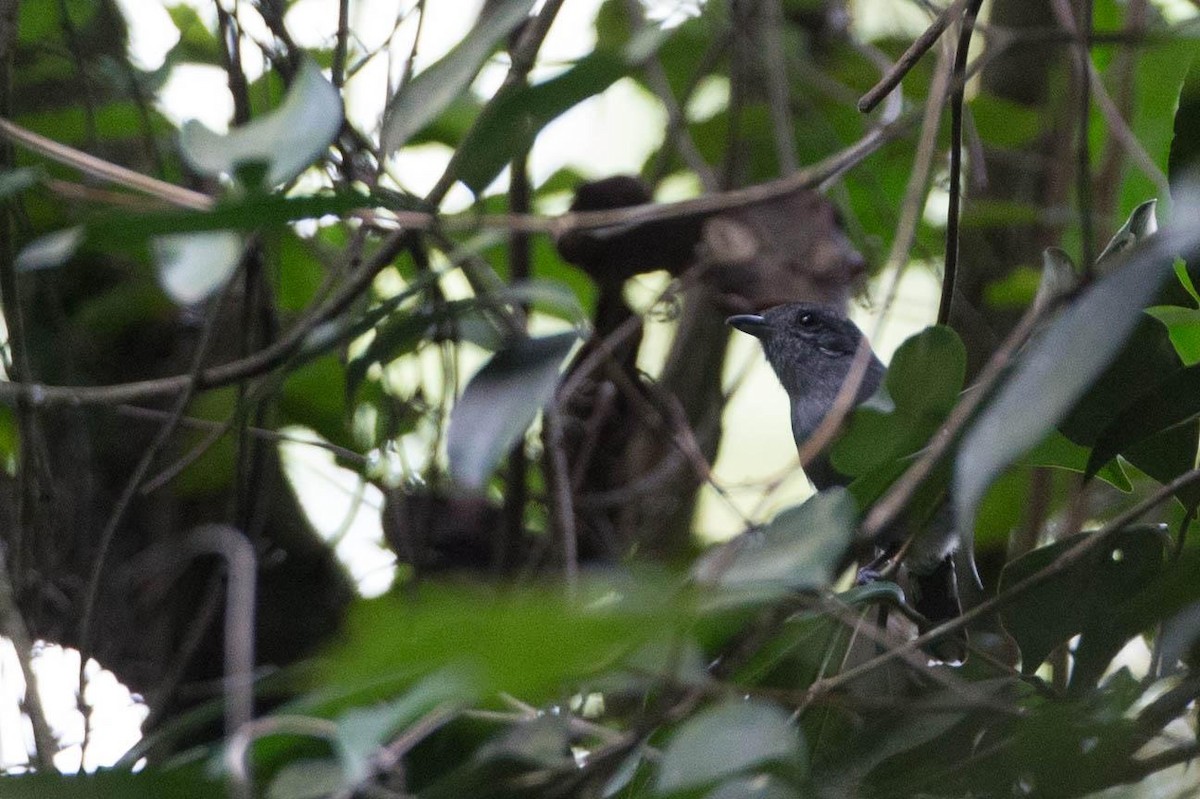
x=556 y=628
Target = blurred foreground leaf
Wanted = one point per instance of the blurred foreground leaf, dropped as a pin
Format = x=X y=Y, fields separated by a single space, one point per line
x=499 y=404
x=728 y=740
x=284 y=141
x=525 y=641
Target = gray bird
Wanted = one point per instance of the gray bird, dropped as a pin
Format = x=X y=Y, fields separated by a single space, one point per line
x=811 y=348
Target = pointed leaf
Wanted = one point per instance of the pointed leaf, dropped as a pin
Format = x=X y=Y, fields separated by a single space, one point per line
x=499 y=404
x=923 y=381
x=422 y=99
x=1141 y=223
x=1059 y=366
x=285 y=140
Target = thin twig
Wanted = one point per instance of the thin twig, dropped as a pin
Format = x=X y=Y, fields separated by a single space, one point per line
x=1083 y=163
x=269 y=357
x=956 y=145
x=104 y=170
x=778 y=93
x=909 y=59
x=140 y=470
x=341 y=44
x=387 y=757
x=135 y=412
x=562 y=509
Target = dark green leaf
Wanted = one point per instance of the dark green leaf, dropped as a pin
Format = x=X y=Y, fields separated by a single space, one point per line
x=499 y=404
x=1060 y=452
x=1084 y=598
x=728 y=740
x=923 y=380
x=424 y=97
x=1166 y=405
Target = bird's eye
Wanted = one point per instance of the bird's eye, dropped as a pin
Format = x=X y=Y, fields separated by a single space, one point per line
x=807 y=320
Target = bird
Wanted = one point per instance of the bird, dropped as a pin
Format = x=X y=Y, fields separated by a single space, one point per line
x=811 y=348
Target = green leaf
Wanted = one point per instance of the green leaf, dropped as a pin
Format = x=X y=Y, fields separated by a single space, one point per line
x=800 y=549
x=510 y=122
x=728 y=740
x=1183 y=326
x=924 y=380
x=1159 y=78
x=499 y=404
x=529 y=641
x=191 y=266
x=285 y=140
x=314 y=396
x=1185 y=280
x=1059 y=367
x=1161 y=407
x=1084 y=598
x=423 y=98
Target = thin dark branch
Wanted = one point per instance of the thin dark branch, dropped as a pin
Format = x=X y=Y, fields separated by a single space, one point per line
x=909 y=59
x=341 y=44
x=956 y=146
x=1083 y=166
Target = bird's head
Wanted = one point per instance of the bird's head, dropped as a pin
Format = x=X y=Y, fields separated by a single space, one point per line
x=808 y=345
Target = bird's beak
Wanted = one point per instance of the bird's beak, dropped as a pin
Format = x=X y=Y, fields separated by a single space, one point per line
x=750 y=323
